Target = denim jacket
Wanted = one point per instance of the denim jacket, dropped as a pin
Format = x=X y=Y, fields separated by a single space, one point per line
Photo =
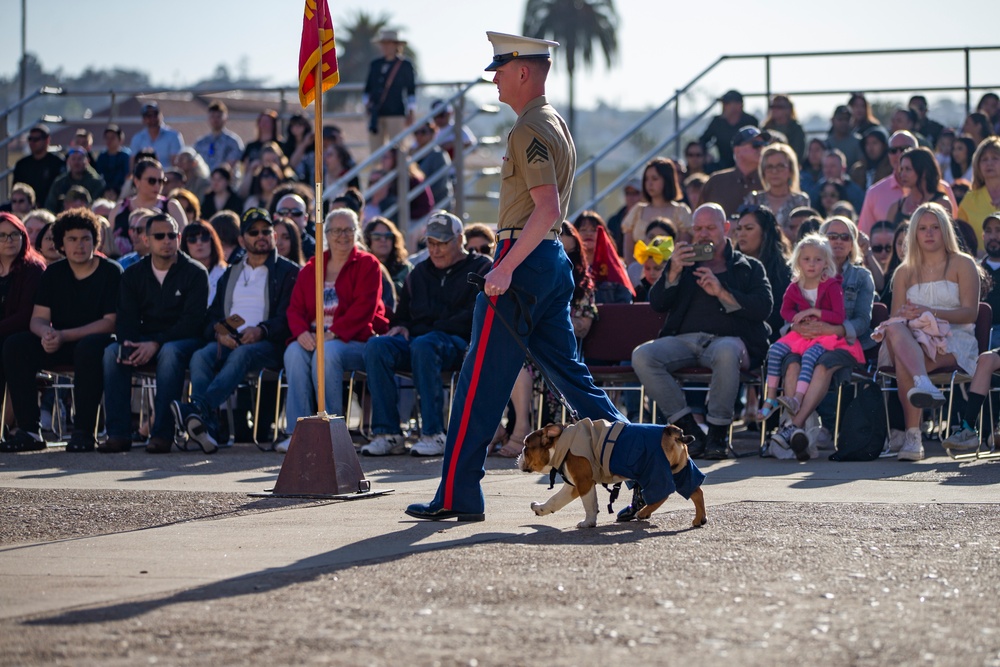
x=859 y=292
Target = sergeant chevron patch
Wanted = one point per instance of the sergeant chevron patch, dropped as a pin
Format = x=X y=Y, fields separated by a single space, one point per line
x=537 y=152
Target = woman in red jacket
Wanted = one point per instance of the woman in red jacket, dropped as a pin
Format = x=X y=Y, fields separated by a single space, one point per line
x=352 y=313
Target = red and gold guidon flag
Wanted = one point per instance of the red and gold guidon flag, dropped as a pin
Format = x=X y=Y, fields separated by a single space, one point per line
x=316 y=39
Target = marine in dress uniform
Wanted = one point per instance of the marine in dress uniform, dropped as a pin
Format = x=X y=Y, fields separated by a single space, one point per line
x=531 y=284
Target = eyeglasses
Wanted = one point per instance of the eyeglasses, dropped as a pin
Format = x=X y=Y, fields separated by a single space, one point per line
x=879 y=249
x=899 y=149
x=159 y=236
x=13 y=236
x=340 y=231
x=381 y=236
x=833 y=236
x=202 y=237
x=152 y=180
x=290 y=212
x=775 y=167
x=254 y=233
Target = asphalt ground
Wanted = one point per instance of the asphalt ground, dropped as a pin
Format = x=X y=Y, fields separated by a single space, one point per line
x=139 y=559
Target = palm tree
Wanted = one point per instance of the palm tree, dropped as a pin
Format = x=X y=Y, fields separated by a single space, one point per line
x=576 y=25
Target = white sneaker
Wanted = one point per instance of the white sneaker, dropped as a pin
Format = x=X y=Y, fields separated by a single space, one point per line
x=967 y=439
x=913 y=447
x=384 y=445
x=429 y=445
x=819 y=437
x=282 y=446
x=924 y=394
x=894 y=441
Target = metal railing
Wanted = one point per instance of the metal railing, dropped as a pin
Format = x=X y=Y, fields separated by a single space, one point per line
x=586 y=183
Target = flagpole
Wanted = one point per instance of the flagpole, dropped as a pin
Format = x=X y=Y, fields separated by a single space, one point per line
x=318 y=213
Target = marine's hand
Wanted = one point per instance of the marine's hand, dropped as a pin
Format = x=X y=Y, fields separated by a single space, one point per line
x=497 y=281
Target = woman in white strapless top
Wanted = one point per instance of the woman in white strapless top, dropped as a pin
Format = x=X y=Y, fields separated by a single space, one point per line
x=934 y=277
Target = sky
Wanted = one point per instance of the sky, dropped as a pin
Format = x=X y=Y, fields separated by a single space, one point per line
x=662 y=44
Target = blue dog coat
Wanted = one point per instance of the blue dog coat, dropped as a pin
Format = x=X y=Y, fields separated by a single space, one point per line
x=621 y=451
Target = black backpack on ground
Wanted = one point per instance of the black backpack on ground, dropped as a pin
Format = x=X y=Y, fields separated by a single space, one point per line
x=862 y=426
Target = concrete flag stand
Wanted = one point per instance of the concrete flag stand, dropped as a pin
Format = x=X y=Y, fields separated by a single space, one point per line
x=321 y=463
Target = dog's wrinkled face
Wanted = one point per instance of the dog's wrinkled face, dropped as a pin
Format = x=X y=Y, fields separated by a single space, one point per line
x=538 y=447
x=677 y=454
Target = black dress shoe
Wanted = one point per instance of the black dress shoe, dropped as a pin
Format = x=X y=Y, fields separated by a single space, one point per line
x=428 y=512
x=638 y=503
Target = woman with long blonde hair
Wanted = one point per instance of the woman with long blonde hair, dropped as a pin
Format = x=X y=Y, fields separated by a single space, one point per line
x=935 y=278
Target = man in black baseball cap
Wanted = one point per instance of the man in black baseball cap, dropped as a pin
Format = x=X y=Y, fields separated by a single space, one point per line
x=723 y=128
x=729 y=187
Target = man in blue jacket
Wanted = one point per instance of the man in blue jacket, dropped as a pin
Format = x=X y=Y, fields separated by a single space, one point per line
x=161 y=308
x=258 y=288
x=717 y=311
x=430 y=333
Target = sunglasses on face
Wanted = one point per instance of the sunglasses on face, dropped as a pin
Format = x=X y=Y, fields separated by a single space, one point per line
x=381 y=236
x=198 y=237
x=482 y=250
x=899 y=149
x=159 y=236
x=152 y=180
x=254 y=233
x=290 y=212
x=757 y=143
x=879 y=249
x=833 y=236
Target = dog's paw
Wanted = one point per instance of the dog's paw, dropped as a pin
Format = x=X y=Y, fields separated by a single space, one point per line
x=587 y=523
x=539 y=509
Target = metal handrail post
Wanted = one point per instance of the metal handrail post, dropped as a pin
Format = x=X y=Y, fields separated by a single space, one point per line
x=968 y=83
x=767 y=77
x=458 y=142
x=402 y=189
x=677 y=124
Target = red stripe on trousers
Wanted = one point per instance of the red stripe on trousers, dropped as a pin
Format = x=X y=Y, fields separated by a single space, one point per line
x=449 y=479
x=449 y=483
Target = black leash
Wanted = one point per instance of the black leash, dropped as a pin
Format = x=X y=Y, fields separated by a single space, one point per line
x=520 y=298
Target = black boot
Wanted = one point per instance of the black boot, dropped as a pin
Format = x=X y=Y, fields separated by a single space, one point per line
x=717 y=447
x=690 y=427
x=638 y=503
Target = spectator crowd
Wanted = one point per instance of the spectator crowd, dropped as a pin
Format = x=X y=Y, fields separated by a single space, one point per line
x=764 y=248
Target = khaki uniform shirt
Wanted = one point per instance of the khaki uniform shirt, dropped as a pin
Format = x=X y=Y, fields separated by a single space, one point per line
x=540 y=151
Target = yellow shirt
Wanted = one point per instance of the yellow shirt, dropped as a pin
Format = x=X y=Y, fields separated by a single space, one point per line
x=540 y=151
x=974 y=208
